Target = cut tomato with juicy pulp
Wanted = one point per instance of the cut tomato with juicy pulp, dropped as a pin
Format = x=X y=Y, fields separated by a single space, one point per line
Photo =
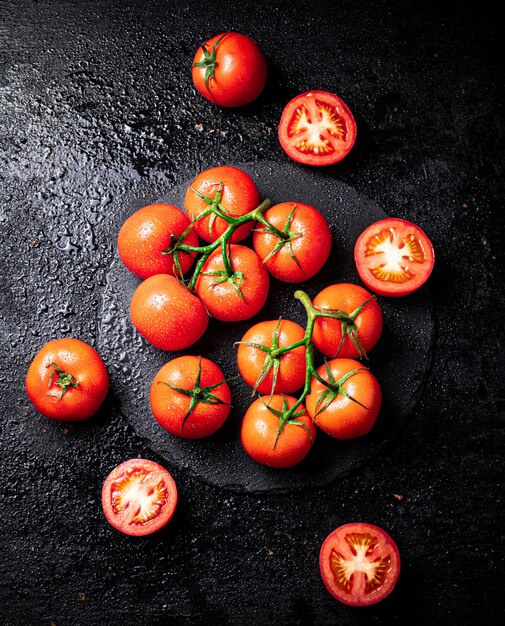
x=394 y=257
x=317 y=128
x=139 y=497
x=359 y=564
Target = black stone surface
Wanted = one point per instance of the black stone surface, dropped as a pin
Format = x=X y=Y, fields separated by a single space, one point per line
x=400 y=361
x=97 y=113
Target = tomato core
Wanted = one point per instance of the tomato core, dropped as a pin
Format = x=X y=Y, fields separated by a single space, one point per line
x=141 y=493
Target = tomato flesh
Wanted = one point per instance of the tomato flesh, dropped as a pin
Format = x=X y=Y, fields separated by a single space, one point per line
x=359 y=564
x=317 y=128
x=394 y=257
x=139 y=497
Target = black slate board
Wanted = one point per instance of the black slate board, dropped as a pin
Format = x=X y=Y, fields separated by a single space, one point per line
x=399 y=361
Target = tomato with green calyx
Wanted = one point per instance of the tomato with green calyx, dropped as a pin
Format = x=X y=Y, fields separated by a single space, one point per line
x=230 y=70
x=345 y=399
x=167 y=314
x=262 y=361
x=190 y=397
x=356 y=325
x=295 y=242
x=317 y=128
x=139 y=497
x=145 y=240
x=394 y=257
x=359 y=564
x=67 y=380
x=273 y=436
x=233 y=286
x=226 y=191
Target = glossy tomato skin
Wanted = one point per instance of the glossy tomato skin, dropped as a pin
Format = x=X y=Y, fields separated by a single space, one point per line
x=394 y=257
x=239 y=195
x=83 y=363
x=145 y=235
x=166 y=314
x=310 y=243
x=170 y=407
x=344 y=418
x=240 y=71
x=353 y=549
x=328 y=332
x=259 y=430
x=222 y=300
x=251 y=360
x=319 y=114
x=139 y=497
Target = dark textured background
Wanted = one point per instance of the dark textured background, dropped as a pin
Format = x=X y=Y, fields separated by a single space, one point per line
x=98 y=110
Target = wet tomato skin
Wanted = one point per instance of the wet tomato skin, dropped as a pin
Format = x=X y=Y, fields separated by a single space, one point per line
x=259 y=430
x=311 y=242
x=170 y=407
x=147 y=233
x=222 y=300
x=82 y=362
x=154 y=505
x=346 y=297
x=394 y=257
x=372 y=545
x=310 y=116
x=291 y=374
x=239 y=195
x=240 y=72
x=344 y=418
x=167 y=314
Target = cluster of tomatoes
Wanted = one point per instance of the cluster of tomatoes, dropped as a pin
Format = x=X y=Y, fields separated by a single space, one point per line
x=184 y=282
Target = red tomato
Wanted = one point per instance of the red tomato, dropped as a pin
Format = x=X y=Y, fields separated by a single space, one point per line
x=394 y=257
x=239 y=296
x=167 y=314
x=229 y=70
x=349 y=406
x=260 y=432
x=190 y=397
x=359 y=564
x=229 y=190
x=259 y=364
x=360 y=328
x=304 y=247
x=67 y=380
x=139 y=497
x=147 y=233
x=317 y=128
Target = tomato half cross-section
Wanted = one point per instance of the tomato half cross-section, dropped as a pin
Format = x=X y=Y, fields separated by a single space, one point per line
x=67 y=380
x=229 y=70
x=139 y=497
x=359 y=564
x=394 y=257
x=317 y=128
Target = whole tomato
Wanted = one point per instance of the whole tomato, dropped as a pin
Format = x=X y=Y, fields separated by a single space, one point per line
x=190 y=397
x=167 y=314
x=149 y=232
x=67 y=380
x=360 y=327
x=228 y=190
x=348 y=405
x=266 y=442
x=262 y=367
x=304 y=246
x=235 y=295
x=229 y=70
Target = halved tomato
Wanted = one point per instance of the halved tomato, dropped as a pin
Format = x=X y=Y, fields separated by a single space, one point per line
x=394 y=257
x=139 y=497
x=317 y=128
x=359 y=564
